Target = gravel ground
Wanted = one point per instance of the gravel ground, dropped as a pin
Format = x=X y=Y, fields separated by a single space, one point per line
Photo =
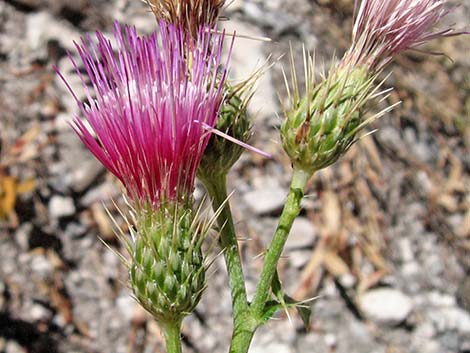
x=383 y=239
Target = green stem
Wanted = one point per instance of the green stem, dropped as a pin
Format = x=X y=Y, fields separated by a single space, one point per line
x=216 y=186
x=172 y=333
x=289 y=213
x=243 y=332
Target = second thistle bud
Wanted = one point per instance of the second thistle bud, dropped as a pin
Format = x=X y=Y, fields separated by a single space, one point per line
x=322 y=125
x=221 y=153
x=167 y=269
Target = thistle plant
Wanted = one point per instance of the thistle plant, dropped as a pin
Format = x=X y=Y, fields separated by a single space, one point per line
x=149 y=107
x=161 y=112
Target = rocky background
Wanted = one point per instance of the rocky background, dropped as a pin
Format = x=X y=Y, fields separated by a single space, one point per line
x=383 y=241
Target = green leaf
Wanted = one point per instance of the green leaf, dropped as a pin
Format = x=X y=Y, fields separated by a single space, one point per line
x=304 y=310
x=285 y=302
x=270 y=309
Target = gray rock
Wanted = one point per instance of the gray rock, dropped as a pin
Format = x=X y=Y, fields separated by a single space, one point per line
x=41 y=266
x=2 y=298
x=22 y=235
x=266 y=200
x=61 y=206
x=82 y=167
x=450 y=319
x=14 y=347
x=385 y=306
x=126 y=305
x=270 y=348
x=38 y=312
x=406 y=250
x=100 y=193
x=425 y=346
x=312 y=341
x=347 y=280
x=301 y=235
x=356 y=337
x=247 y=56
x=450 y=341
x=42 y=27
x=464 y=294
x=299 y=258
x=85 y=174
x=465 y=345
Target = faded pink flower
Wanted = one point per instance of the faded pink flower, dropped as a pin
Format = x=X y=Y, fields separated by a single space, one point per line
x=385 y=28
x=152 y=102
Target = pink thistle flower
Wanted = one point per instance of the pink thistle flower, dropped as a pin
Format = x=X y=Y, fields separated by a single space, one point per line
x=383 y=29
x=150 y=106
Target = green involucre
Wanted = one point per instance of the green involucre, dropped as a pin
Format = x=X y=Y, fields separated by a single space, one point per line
x=167 y=269
x=322 y=126
x=221 y=154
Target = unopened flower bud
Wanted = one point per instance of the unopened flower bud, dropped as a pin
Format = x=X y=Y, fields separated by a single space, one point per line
x=167 y=269
x=234 y=122
x=322 y=125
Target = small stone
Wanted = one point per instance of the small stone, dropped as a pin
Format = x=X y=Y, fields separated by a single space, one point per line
x=61 y=206
x=13 y=347
x=41 y=266
x=82 y=177
x=451 y=319
x=410 y=269
x=386 y=306
x=127 y=305
x=331 y=340
x=270 y=348
x=2 y=298
x=301 y=235
x=463 y=294
x=42 y=27
x=465 y=346
x=440 y=300
x=424 y=346
x=299 y=258
x=75 y=230
x=266 y=200
x=100 y=193
x=23 y=234
x=390 y=137
x=247 y=56
x=312 y=339
x=425 y=330
x=450 y=340
x=348 y=280
x=406 y=250
x=38 y=312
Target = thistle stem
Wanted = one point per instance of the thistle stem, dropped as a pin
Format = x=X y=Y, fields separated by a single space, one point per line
x=289 y=213
x=217 y=189
x=172 y=333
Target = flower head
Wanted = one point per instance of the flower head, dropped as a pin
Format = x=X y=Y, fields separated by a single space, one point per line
x=322 y=124
x=383 y=29
x=188 y=14
x=149 y=106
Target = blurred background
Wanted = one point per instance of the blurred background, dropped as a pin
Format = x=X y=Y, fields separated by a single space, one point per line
x=383 y=240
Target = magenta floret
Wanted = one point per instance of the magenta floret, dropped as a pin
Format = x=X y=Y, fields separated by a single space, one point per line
x=151 y=103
